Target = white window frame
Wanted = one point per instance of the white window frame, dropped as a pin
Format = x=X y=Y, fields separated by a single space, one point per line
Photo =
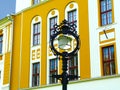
x=34 y=22
x=36 y=61
x=68 y=9
x=48 y=40
x=57 y=68
x=35 y=48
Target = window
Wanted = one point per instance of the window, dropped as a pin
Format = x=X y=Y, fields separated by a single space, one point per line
x=36 y=74
x=53 y=21
x=36 y=1
x=72 y=17
x=53 y=70
x=36 y=34
x=73 y=62
x=1 y=43
x=106 y=12
x=108 y=60
x=73 y=66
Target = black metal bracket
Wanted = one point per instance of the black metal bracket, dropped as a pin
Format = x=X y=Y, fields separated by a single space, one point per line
x=70 y=77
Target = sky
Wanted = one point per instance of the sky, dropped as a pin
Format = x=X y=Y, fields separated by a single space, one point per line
x=6 y=7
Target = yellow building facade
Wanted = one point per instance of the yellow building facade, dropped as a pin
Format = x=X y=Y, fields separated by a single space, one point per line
x=24 y=53
x=27 y=61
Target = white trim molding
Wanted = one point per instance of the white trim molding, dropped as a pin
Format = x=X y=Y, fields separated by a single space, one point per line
x=51 y=14
x=70 y=7
x=35 y=51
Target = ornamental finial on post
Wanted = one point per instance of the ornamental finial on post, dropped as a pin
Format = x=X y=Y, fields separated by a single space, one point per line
x=65 y=25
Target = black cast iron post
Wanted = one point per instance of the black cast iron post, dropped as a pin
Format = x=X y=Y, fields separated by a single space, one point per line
x=64 y=80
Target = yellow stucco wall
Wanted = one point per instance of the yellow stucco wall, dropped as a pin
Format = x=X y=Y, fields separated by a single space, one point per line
x=6 y=68
x=21 y=42
x=84 y=36
x=14 y=83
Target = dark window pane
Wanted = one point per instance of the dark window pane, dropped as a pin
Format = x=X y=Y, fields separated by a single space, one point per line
x=109 y=5
x=72 y=16
x=36 y=34
x=106 y=12
x=73 y=66
x=53 y=21
x=104 y=22
x=35 y=74
x=53 y=70
x=103 y=6
x=109 y=16
x=108 y=60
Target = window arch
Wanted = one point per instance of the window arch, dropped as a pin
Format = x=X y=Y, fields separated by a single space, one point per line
x=35 y=31
x=53 y=18
x=71 y=14
x=52 y=61
x=35 y=51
